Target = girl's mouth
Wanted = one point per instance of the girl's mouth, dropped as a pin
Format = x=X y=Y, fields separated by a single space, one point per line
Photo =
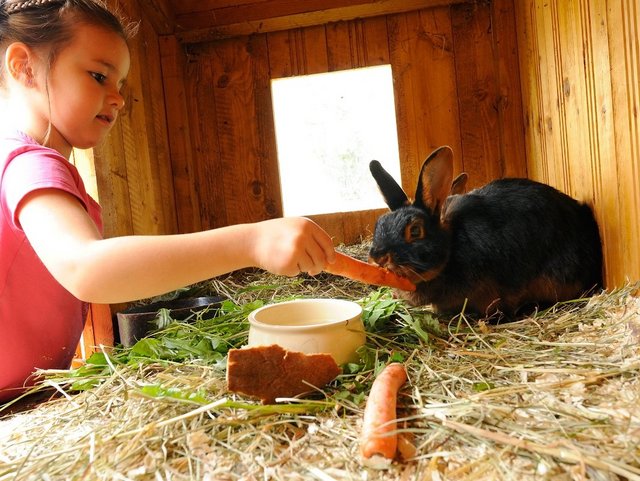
x=107 y=119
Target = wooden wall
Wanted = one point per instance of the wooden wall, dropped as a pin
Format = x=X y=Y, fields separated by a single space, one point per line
x=580 y=70
x=456 y=82
x=133 y=166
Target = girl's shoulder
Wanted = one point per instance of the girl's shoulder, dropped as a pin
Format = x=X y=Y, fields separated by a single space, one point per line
x=25 y=165
x=15 y=144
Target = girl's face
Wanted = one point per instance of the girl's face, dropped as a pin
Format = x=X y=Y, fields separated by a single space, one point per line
x=82 y=94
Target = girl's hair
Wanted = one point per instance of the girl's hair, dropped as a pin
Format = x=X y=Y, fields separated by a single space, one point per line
x=49 y=24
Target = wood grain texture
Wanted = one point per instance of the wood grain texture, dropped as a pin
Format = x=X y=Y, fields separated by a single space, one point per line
x=173 y=62
x=133 y=170
x=234 y=133
x=477 y=85
x=424 y=74
x=160 y=13
x=98 y=331
x=623 y=24
x=580 y=84
x=201 y=109
x=508 y=102
x=206 y=21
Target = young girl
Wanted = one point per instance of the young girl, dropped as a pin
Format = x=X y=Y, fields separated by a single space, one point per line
x=63 y=66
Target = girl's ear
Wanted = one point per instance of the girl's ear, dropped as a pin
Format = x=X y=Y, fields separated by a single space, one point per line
x=19 y=64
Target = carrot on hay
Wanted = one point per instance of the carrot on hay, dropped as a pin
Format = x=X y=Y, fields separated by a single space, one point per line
x=379 y=435
x=358 y=270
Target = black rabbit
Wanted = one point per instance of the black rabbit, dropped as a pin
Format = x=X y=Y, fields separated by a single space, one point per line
x=509 y=244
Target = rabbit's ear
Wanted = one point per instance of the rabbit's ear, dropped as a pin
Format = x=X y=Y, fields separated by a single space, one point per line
x=459 y=184
x=435 y=182
x=458 y=187
x=393 y=194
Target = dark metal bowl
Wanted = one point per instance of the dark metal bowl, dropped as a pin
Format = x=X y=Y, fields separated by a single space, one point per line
x=138 y=322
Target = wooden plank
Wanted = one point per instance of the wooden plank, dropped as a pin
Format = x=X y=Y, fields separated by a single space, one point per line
x=255 y=9
x=85 y=163
x=599 y=163
x=228 y=92
x=359 y=43
x=528 y=49
x=623 y=22
x=478 y=95
x=363 y=225
x=283 y=59
x=173 y=62
x=134 y=136
x=265 y=185
x=237 y=64
x=98 y=331
x=102 y=325
x=576 y=124
x=160 y=170
x=212 y=15
x=301 y=51
x=342 y=38
x=553 y=106
x=111 y=178
x=281 y=15
x=184 y=7
x=201 y=106
x=509 y=104
x=421 y=54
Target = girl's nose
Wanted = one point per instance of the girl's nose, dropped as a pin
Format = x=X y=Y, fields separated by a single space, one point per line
x=116 y=100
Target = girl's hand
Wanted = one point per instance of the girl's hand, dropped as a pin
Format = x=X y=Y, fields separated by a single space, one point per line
x=291 y=245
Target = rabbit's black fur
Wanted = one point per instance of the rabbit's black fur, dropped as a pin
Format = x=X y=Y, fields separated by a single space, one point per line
x=509 y=244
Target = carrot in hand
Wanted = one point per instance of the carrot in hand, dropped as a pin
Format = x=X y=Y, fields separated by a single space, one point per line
x=379 y=423
x=357 y=270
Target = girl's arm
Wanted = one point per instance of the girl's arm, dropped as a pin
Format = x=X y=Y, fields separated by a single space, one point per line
x=126 y=268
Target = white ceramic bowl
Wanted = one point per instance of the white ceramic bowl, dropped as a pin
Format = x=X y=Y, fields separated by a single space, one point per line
x=332 y=326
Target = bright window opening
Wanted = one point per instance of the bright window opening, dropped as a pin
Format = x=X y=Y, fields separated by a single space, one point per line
x=328 y=128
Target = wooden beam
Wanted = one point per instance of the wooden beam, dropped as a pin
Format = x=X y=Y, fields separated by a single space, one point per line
x=216 y=30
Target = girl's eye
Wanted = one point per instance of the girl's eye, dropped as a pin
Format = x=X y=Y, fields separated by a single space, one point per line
x=98 y=77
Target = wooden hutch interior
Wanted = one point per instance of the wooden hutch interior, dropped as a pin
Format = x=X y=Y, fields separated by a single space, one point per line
x=545 y=89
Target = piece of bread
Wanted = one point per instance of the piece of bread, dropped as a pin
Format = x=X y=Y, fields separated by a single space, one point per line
x=269 y=372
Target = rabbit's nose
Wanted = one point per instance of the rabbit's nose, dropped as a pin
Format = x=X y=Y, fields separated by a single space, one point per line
x=382 y=260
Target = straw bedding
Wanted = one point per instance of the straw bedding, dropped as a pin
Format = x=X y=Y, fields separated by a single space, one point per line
x=554 y=396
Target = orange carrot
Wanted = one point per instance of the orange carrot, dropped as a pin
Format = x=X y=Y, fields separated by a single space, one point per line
x=379 y=424
x=357 y=270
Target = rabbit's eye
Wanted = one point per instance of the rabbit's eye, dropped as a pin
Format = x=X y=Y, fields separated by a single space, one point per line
x=414 y=231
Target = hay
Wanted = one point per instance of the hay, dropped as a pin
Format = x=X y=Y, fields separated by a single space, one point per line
x=554 y=396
